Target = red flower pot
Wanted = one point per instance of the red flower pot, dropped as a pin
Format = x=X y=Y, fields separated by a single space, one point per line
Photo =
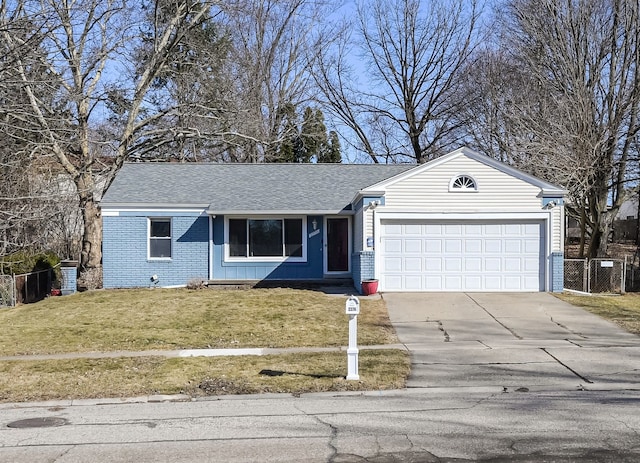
x=369 y=287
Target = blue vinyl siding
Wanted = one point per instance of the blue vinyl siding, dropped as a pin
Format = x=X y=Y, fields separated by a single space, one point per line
x=311 y=269
x=124 y=247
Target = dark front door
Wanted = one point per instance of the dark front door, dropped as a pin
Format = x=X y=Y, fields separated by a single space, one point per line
x=338 y=245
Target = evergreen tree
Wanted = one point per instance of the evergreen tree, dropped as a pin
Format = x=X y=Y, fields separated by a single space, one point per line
x=332 y=152
x=290 y=147
x=306 y=142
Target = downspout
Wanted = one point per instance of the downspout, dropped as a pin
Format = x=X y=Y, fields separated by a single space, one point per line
x=211 y=217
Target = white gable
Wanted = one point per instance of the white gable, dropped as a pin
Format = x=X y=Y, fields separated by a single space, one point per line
x=498 y=187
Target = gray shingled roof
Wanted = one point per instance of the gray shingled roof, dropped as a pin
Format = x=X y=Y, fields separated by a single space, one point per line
x=245 y=187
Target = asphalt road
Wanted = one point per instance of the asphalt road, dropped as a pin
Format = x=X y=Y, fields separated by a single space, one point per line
x=417 y=425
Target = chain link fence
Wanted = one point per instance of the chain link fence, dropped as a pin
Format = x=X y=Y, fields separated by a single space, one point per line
x=33 y=287
x=595 y=275
x=7 y=291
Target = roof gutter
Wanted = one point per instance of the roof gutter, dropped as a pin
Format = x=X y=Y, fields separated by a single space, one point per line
x=254 y=212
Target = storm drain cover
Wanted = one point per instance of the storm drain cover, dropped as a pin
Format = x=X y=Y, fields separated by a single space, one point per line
x=45 y=422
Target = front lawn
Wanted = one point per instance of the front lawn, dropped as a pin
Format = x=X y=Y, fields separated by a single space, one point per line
x=161 y=319
x=132 y=377
x=622 y=310
x=148 y=319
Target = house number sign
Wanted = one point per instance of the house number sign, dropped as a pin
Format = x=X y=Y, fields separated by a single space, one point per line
x=352 y=308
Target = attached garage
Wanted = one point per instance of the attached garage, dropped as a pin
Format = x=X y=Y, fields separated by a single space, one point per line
x=462 y=255
x=465 y=222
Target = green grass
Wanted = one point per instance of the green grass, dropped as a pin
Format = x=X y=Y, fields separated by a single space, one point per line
x=160 y=319
x=622 y=310
x=149 y=319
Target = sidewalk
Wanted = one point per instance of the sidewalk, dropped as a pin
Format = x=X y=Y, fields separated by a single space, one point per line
x=191 y=353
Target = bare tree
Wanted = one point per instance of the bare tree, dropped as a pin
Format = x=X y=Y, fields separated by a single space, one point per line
x=27 y=203
x=270 y=41
x=88 y=50
x=399 y=102
x=560 y=99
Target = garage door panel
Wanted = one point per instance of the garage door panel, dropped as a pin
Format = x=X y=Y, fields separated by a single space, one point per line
x=393 y=264
x=453 y=283
x=432 y=230
x=492 y=246
x=453 y=246
x=473 y=283
x=393 y=246
x=531 y=246
x=512 y=264
x=531 y=283
x=421 y=255
x=433 y=283
x=512 y=283
x=472 y=264
x=413 y=246
x=433 y=264
x=473 y=230
x=513 y=246
x=413 y=264
x=512 y=230
x=531 y=229
x=433 y=246
x=393 y=229
x=453 y=229
x=452 y=264
x=393 y=283
x=472 y=246
x=531 y=265
x=493 y=264
x=492 y=230
x=413 y=282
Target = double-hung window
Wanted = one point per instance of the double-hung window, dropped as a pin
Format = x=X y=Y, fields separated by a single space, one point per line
x=266 y=239
x=159 y=238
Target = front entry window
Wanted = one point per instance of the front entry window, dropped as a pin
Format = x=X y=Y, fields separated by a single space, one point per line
x=338 y=245
x=260 y=238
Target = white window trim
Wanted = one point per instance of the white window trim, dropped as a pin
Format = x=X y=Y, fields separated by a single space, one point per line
x=228 y=258
x=463 y=190
x=170 y=237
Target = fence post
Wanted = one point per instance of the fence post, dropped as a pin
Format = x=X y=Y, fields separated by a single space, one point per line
x=624 y=276
x=585 y=276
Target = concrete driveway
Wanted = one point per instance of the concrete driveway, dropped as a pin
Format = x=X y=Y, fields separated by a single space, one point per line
x=513 y=341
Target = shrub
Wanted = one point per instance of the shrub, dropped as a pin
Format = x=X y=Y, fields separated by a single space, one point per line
x=196 y=283
x=27 y=262
x=91 y=278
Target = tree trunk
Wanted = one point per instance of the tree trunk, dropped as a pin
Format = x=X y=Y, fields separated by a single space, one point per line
x=92 y=236
x=91 y=255
x=599 y=245
x=583 y=231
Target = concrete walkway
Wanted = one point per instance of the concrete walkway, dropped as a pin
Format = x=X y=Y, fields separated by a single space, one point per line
x=191 y=353
x=511 y=340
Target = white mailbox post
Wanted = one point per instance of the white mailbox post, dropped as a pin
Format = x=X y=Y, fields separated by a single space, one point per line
x=353 y=309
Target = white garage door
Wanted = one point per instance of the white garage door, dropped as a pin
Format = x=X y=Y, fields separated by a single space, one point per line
x=422 y=255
